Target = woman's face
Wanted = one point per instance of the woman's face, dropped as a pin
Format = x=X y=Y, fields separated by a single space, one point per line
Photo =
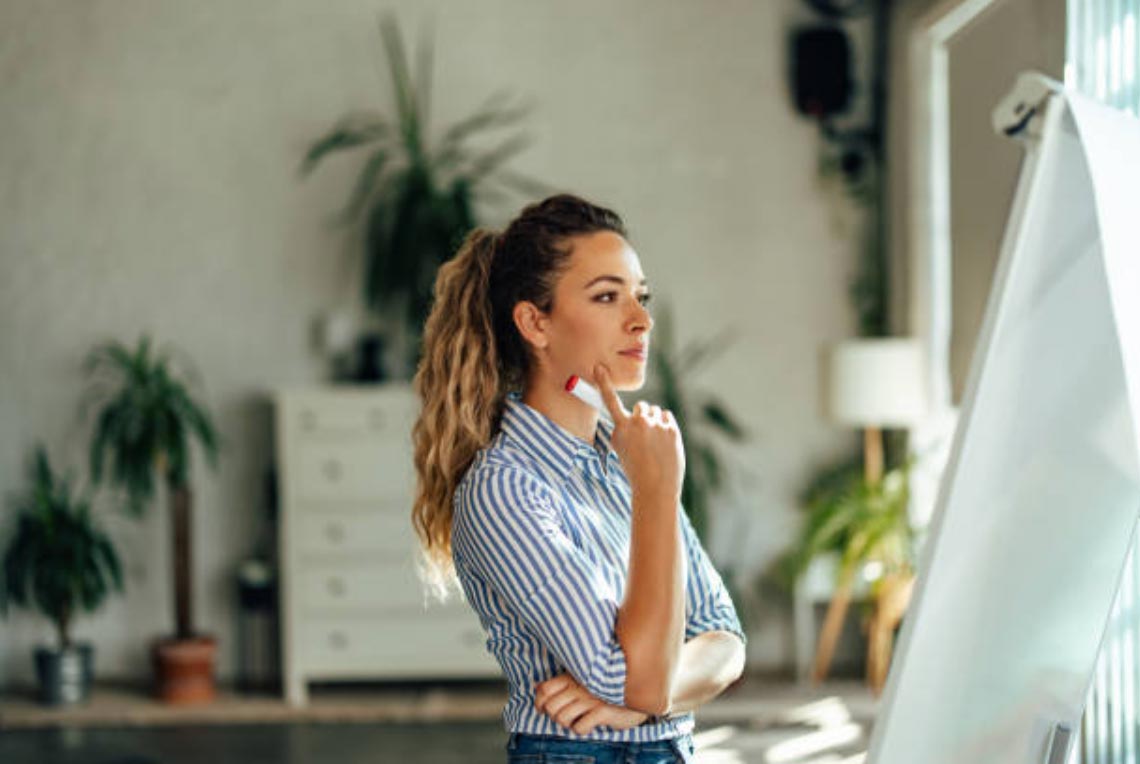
x=598 y=314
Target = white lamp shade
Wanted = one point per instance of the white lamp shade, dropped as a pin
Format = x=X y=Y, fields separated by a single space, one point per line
x=875 y=382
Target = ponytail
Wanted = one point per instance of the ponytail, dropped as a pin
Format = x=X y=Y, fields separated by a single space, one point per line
x=458 y=382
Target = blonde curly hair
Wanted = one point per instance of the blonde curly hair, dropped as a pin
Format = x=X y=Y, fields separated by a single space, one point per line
x=473 y=354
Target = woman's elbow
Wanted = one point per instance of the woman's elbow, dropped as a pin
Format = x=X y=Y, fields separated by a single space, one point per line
x=649 y=675
x=647 y=687
x=739 y=658
x=654 y=703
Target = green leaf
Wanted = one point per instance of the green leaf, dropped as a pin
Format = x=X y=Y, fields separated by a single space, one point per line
x=715 y=412
x=492 y=113
x=365 y=187
x=490 y=161
x=402 y=87
x=711 y=471
x=349 y=132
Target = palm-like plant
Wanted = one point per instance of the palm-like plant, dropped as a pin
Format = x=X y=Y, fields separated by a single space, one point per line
x=416 y=199
x=864 y=522
x=697 y=415
x=58 y=561
x=145 y=427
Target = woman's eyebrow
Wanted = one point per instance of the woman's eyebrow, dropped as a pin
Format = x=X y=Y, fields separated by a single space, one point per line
x=607 y=277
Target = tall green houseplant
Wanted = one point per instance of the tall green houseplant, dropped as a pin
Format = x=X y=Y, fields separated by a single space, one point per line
x=146 y=424
x=414 y=198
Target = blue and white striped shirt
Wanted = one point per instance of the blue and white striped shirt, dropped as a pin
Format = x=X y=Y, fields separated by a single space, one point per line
x=540 y=539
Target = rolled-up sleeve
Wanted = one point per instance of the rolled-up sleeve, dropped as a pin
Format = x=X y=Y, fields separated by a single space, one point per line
x=509 y=533
x=708 y=605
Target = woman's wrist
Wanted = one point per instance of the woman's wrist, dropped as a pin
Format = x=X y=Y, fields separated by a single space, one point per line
x=658 y=718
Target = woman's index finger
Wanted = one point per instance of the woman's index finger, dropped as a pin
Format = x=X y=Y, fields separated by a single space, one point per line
x=609 y=395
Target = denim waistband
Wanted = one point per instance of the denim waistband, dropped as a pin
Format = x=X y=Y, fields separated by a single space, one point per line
x=524 y=742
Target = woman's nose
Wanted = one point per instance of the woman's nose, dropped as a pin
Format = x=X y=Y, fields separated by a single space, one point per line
x=642 y=318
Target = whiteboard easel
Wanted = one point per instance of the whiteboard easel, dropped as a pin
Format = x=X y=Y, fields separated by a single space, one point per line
x=1038 y=505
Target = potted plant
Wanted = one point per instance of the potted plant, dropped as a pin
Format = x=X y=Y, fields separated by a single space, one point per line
x=866 y=524
x=697 y=415
x=60 y=563
x=415 y=198
x=144 y=429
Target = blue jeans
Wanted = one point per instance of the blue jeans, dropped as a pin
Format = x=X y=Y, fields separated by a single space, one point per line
x=548 y=749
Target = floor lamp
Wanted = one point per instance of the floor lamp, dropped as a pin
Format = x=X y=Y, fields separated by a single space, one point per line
x=871 y=383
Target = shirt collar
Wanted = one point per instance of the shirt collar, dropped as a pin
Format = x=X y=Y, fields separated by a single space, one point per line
x=548 y=442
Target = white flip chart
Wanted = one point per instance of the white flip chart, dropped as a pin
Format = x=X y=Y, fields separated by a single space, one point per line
x=1039 y=500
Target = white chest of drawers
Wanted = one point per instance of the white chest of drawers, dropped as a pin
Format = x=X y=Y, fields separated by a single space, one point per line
x=352 y=605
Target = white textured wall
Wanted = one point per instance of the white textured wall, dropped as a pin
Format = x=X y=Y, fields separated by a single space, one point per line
x=147 y=183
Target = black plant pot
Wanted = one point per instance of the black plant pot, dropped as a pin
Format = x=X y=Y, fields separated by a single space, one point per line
x=370 y=366
x=65 y=674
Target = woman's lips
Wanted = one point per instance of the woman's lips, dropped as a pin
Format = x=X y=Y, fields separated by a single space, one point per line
x=636 y=354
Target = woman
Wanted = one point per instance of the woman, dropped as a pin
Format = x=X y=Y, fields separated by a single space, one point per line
x=566 y=533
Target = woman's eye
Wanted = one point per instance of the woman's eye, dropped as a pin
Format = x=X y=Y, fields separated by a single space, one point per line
x=611 y=296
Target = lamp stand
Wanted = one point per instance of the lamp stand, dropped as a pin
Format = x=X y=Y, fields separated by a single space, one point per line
x=872 y=455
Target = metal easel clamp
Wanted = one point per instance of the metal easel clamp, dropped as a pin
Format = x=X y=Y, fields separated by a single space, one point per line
x=1015 y=112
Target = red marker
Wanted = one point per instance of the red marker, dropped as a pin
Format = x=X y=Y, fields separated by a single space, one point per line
x=584 y=391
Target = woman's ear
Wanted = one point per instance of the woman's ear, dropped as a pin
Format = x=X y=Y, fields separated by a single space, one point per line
x=532 y=324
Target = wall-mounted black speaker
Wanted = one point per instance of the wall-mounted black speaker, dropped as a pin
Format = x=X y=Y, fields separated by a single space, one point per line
x=821 y=71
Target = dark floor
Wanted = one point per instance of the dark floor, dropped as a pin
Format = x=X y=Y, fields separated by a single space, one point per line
x=466 y=742
x=755 y=722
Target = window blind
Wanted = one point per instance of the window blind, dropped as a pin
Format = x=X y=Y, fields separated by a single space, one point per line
x=1102 y=60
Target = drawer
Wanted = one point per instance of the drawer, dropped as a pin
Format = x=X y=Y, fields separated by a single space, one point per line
x=354 y=469
x=387 y=530
x=384 y=413
x=451 y=643
x=365 y=586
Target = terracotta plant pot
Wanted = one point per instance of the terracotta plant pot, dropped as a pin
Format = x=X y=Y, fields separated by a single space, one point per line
x=184 y=669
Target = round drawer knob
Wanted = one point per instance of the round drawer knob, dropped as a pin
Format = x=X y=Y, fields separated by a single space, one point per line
x=332 y=470
x=338 y=639
x=334 y=532
x=336 y=587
